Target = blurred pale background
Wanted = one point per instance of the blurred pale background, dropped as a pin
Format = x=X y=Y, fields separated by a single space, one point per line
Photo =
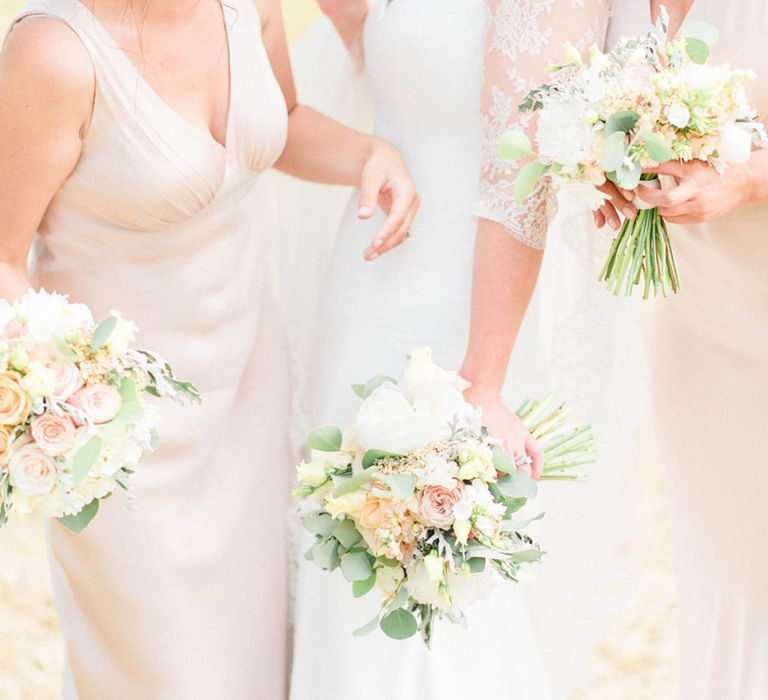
x=635 y=662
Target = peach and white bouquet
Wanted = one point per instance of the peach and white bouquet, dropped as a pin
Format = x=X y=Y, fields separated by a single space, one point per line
x=617 y=116
x=417 y=502
x=74 y=420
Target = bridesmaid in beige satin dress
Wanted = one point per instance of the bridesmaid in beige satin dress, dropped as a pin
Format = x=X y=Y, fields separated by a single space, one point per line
x=709 y=354
x=158 y=211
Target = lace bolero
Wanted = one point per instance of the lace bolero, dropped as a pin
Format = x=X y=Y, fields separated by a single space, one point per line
x=524 y=38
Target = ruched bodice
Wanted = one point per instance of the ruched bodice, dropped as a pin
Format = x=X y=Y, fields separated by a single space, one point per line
x=163 y=223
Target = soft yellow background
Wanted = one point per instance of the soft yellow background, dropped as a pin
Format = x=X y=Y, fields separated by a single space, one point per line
x=634 y=663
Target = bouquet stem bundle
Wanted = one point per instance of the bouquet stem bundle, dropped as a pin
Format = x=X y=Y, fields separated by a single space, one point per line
x=642 y=254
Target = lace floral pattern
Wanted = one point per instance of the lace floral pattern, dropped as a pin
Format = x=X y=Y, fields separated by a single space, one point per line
x=524 y=37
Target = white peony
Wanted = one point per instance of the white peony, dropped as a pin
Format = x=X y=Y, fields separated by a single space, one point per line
x=50 y=315
x=564 y=134
x=735 y=145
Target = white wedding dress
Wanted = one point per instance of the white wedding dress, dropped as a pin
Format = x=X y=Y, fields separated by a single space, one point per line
x=424 y=62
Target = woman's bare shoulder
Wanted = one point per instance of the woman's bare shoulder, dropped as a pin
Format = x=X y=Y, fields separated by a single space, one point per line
x=45 y=59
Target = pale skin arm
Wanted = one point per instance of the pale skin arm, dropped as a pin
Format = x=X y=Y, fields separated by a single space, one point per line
x=323 y=150
x=46 y=93
x=505 y=273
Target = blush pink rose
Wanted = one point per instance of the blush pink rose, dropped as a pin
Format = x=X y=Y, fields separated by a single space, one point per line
x=436 y=505
x=67 y=381
x=53 y=434
x=33 y=473
x=100 y=402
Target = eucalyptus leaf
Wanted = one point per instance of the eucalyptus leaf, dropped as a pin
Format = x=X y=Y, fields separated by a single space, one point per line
x=372 y=456
x=697 y=50
x=78 y=523
x=350 y=484
x=476 y=565
x=391 y=563
x=102 y=333
x=356 y=566
x=513 y=505
x=129 y=413
x=325 y=553
x=399 y=624
x=515 y=145
x=526 y=180
x=365 y=390
x=129 y=391
x=657 y=148
x=367 y=628
x=517 y=485
x=360 y=588
x=85 y=458
x=346 y=533
x=326 y=438
x=402 y=485
x=629 y=177
x=698 y=29
x=622 y=121
x=501 y=461
x=321 y=524
x=614 y=151
x=3 y=515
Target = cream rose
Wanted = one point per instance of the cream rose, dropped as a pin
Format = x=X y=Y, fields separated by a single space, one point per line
x=53 y=434
x=14 y=402
x=436 y=505
x=33 y=473
x=100 y=402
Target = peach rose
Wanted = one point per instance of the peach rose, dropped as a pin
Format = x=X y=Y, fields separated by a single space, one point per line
x=53 y=434
x=436 y=505
x=67 y=381
x=100 y=402
x=14 y=402
x=33 y=473
x=374 y=513
x=5 y=439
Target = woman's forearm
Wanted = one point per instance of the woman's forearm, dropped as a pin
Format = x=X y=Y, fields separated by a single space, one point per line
x=505 y=274
x=322 y=150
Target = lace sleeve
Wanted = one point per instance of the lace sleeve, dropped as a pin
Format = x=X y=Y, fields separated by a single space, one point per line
x=524 y=37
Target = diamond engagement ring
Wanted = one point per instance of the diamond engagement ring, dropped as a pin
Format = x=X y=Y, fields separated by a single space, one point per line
x=522 y=461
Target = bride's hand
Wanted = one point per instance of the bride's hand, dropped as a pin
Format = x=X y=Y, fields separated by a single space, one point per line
x=502 y=423
x=387 y=183
x=700 y=193
x=619 y=200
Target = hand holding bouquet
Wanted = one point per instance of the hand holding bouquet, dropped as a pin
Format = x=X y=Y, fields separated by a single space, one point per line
x=650 y=100
x=74 y=421
x=416 y=501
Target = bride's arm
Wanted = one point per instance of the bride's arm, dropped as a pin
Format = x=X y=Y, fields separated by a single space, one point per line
x=322 y=150
x=348 y=16
x=510 y=237
x=46 y=93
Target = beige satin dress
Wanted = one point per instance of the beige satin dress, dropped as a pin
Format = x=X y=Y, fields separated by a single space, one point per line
x=709 y=351
x=185 y=597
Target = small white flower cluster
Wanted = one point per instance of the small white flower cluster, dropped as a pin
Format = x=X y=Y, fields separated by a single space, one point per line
x=74 y=421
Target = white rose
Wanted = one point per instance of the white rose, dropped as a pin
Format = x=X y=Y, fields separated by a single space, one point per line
x=39 y=381
x=32 y=472
x=422 y=588
x=678 y=115
x=735 y=145
x=313 y=473
x=420 y=370
x=388 y=579
x=122 y=336
x=51 y=315
x=465 y=588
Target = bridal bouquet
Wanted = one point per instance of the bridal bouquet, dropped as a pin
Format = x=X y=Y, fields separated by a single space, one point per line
x=73 y=417
x=416 y=501
x=650 y=100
